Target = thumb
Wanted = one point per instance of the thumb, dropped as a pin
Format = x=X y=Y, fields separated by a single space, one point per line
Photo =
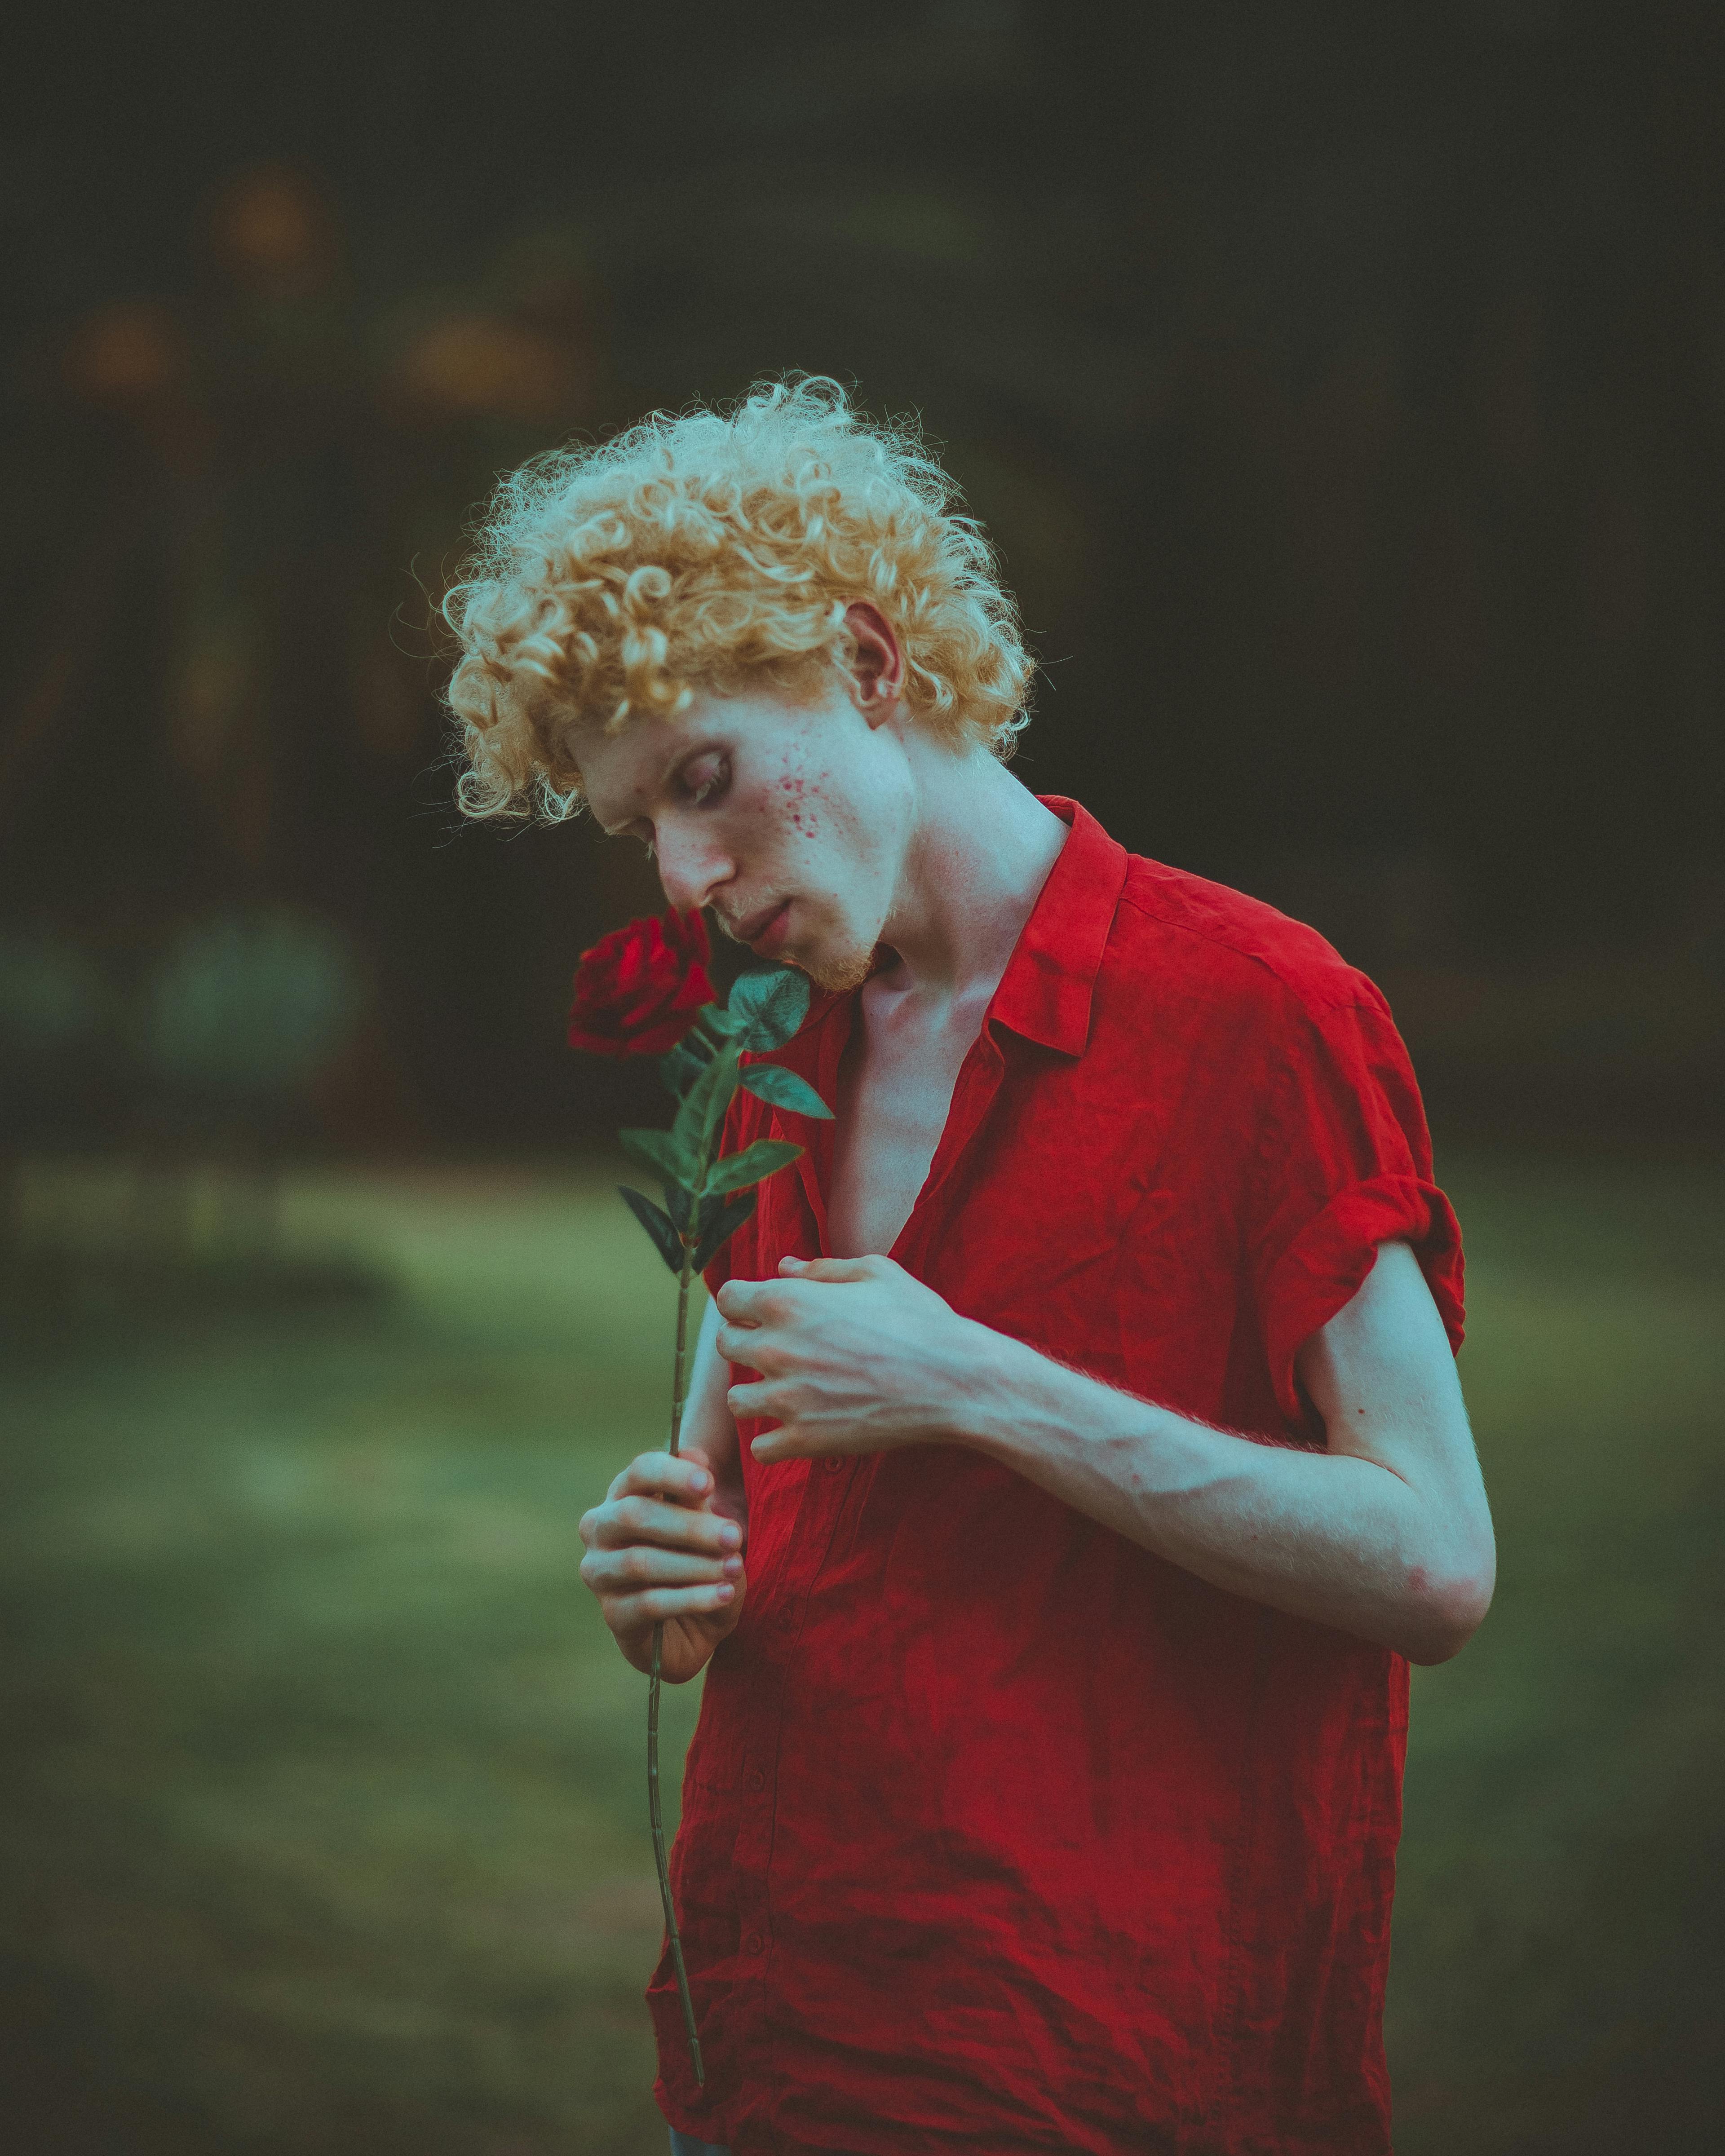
x=832 y=1269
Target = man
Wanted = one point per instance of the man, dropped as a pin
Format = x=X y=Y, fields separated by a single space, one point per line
x=1075 y=1457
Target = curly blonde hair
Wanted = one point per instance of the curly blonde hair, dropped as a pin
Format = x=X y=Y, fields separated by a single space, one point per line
x=702 y=548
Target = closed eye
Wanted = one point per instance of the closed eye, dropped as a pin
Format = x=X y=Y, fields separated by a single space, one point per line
x=705 y=778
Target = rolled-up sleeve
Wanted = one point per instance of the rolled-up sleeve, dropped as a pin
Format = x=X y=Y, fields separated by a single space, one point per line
x=1344 y=1164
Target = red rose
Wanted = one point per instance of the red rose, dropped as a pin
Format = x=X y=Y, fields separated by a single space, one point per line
x=638 y=990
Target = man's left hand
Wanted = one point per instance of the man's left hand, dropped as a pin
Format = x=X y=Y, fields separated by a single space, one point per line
x=854 y=1356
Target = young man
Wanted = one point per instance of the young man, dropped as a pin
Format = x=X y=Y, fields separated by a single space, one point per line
x=1074 y=1458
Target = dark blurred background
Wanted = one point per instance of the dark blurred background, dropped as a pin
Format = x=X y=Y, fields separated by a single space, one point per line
x=1345 y=388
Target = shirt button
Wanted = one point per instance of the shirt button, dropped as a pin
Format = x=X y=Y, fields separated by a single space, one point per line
x=755 y=1943
x=833 y=1465
x=757 y=1780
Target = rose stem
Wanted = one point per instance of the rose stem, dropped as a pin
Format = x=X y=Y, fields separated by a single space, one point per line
x=654 y=1811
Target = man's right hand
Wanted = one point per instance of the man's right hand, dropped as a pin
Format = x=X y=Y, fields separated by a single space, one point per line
x=666 y=1547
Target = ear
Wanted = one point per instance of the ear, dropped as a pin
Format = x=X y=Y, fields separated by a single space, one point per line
x=877 y=666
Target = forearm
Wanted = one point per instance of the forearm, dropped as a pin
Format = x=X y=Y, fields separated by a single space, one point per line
x=1328 y=1536
x=1387 y=1534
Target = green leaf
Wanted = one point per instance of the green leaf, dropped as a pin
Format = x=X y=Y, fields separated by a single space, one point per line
x=771 y=1005
x=679 y=1205
x=727 y=1220
x=702 y=1114
x=681 y=1067
x=784 y=1088
x=753 y=1164
x=666 y=1240
x=663 y=1153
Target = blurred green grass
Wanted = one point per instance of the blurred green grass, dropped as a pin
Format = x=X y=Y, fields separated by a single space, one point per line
x=1558 y=1982
x=323 y=1829
x=327 y=1825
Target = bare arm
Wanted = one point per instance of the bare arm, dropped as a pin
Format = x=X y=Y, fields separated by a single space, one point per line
x=666 y=1545
x=1386 y=1535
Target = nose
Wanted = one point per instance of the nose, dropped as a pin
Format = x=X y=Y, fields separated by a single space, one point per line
x=691 y=866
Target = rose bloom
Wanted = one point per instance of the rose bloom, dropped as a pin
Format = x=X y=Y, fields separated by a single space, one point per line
x=639 y=988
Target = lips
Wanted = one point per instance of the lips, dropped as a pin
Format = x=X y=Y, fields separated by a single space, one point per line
x=750 y=926
x=765 y=931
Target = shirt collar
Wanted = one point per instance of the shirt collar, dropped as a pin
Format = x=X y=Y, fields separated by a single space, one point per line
x=1045 y=993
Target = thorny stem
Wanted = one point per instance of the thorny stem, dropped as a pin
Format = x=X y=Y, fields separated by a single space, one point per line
x=654 y=1811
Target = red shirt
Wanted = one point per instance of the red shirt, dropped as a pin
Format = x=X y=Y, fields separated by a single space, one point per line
x=998 y=1832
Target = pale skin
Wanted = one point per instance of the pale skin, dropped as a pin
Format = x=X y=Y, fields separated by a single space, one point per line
x=818 y=828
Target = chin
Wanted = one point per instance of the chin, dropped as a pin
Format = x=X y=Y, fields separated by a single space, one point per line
x=837 y=971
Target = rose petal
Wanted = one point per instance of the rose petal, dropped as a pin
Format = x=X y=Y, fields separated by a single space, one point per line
x=637 y=991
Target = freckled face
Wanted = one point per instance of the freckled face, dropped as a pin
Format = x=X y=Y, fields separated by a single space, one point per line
x=791 y=819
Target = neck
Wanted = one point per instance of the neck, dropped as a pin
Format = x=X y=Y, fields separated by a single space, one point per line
x=979 y=851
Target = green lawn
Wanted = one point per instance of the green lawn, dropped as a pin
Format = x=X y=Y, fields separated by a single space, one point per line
x=1559 y=1973
x=323 y=1829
